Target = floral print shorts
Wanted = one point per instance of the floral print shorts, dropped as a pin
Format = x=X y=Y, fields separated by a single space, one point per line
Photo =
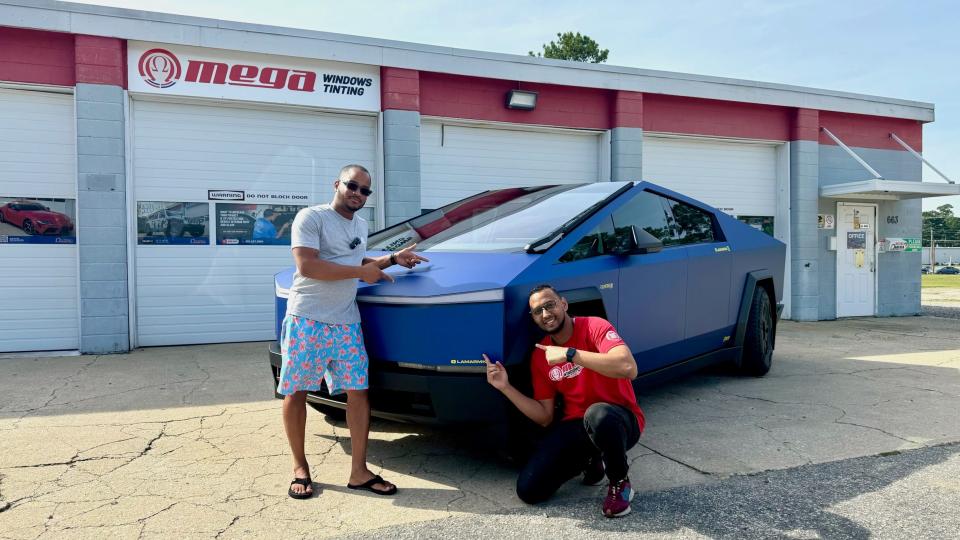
x=314 y=352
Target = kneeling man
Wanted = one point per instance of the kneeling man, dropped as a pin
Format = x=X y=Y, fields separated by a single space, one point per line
x=584 y=360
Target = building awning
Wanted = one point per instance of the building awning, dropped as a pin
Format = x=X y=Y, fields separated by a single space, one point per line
x=879 y=189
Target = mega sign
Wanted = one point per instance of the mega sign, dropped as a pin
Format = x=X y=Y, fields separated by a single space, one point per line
x=225 y=74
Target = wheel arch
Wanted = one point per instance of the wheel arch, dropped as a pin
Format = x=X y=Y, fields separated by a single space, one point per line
x=585 y=301
x=756 y=278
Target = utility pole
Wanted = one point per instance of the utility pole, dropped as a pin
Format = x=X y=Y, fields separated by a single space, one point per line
x=933 y=252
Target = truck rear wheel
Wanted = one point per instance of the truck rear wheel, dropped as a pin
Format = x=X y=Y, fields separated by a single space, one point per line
x=758 y=340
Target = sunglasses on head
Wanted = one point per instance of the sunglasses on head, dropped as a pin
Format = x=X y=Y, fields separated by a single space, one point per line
x=353 y=186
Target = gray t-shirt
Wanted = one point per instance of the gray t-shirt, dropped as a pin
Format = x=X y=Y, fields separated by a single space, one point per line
x=322 y=228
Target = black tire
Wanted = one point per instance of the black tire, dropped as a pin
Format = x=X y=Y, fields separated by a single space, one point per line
x=28 y=227
x=758 y=341
x=332 y=413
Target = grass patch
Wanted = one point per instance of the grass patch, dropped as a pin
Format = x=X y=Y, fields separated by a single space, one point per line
x=936 y=281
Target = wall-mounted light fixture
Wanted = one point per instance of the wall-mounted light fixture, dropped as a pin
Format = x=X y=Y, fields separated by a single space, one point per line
x=523 y=100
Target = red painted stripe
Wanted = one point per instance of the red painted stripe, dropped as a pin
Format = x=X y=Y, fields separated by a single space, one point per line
x=475 y=98
x=400 y=89
x=693 y=116
x=806 y=125
x=862 y=131
x=37 y=57
x=627 y=109
x=100 y=60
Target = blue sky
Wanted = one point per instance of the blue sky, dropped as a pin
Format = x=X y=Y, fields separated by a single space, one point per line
x=906 y=50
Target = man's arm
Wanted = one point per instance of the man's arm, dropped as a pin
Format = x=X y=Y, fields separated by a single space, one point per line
x=617 y=363
x=381 y=262
x=310 y=265
x=283 y=229
x=540 y=411
x=405 y=258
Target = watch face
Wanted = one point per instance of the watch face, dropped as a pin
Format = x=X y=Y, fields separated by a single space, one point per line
x=571 y=352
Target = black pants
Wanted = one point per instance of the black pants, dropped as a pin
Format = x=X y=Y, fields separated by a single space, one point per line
x=608 y=430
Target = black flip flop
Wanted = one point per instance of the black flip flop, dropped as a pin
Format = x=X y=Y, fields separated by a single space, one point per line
x=368 y=486
x=305 y=482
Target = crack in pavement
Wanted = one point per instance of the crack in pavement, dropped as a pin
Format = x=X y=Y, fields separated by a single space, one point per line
x=231 y=524
x=69 y=464
x=838 y=421
x=53 y=394
x=785 y=444
x=186 y=399
x=677 y=461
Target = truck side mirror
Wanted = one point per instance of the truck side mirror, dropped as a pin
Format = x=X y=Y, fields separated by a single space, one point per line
x=635 y=241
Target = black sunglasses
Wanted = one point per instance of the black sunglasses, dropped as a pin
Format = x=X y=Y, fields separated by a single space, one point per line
x=353 y=186
x=354 y=243
x=549 y=305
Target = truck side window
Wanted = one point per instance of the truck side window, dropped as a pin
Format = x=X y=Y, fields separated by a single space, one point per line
x=648 y=212
x=596 y=242
x=691 y=225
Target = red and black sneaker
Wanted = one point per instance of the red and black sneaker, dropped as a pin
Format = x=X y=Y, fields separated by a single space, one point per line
x=594 y=472
x=617 y=502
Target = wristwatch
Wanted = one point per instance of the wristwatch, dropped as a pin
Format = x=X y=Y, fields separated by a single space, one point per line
x=393 y=258
x=571 y=352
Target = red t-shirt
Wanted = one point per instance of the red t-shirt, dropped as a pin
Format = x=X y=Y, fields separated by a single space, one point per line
x=582 y=387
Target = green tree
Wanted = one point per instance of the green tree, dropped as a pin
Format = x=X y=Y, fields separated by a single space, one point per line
x=574 y=46
x=946 y=226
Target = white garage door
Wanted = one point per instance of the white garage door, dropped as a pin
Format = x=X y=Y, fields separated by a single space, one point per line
x=38 y=273
x=738 y=178
x=745 y=180
x=457 y=161
x=210 y=293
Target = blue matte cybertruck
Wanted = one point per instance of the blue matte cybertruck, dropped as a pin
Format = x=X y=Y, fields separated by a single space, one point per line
x=684 y=284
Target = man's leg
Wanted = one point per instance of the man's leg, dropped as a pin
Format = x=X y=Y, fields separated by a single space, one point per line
x=614 y=430
x=295 y=424
x=358 y=420
x=559 y=457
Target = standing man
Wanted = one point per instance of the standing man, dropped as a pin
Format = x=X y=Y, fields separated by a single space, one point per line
x=584 y=360
x=321 y=338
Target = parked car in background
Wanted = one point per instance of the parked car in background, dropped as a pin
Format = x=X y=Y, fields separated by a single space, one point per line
x=35 y=218
x=948 y=270
x=924 y=269
x=684 y=284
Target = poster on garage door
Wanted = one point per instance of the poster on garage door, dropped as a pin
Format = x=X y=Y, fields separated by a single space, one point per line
x=32 y=220
x=255 y=224
x=173 y=223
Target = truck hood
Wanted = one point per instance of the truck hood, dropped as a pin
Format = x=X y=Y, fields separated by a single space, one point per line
x=446 y=273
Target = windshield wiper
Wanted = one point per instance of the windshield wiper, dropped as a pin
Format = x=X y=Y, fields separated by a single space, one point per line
x=547 y=241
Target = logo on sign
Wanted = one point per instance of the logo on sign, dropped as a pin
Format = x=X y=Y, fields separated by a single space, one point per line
x=159 y=68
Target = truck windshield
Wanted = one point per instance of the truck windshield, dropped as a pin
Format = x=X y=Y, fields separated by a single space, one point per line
x=501 y=220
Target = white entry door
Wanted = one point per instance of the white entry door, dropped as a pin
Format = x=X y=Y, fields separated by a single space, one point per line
x=856 y=259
